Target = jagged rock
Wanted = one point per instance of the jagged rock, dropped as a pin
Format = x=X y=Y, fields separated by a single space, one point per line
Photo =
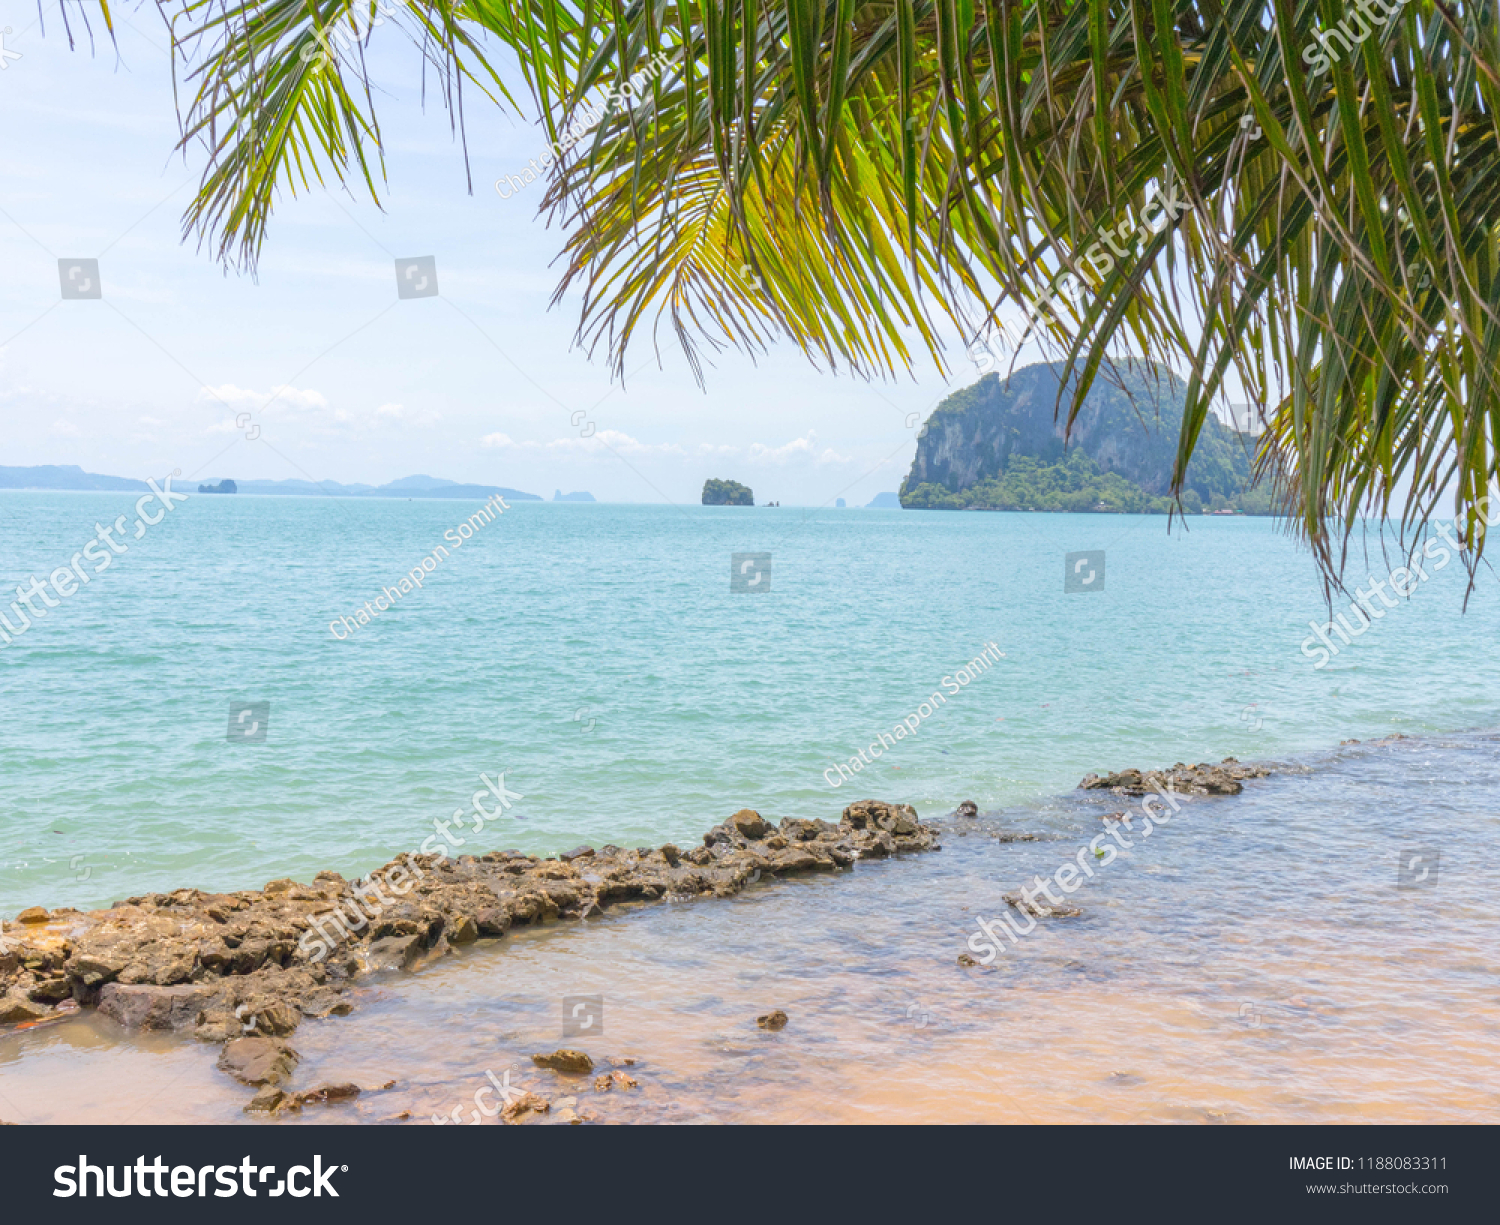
x=967 y=809
x=258 y=1061
x=16 y=1009
x=395 y=952
x=324 y=1094
x=1202 y=779
x=1041 y=908
x=51 y=990
x=900 y=819
x=519 y=1109
x=965 y=960
x=140 y=1006
x=772 y=1020
x=749 y=823
x=268 y=1099
x=33 y=914
x=613 y=1080
x=565 y=1060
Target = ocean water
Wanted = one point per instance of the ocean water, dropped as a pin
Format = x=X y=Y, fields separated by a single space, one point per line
x=597 y=656
x=1259 y=958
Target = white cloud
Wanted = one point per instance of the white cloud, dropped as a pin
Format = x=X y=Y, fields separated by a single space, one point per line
x=796 y=450
x=389 y=410
x=604 y=442
x=243 y=398
x=67 y=429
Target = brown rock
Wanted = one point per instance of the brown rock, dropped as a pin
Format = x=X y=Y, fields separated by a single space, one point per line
x=1201 y=779
x=258 y=1061
x=493 y=921
x=899 y=819
x=1041 y=908
x=16 y=1009
x=51 y=990
x=622 y=1061
x=772 y=1020
x=521 y=1108
x=97 y=966
x=395 y=952
x=965 y=960
x=615 y=1080
x=149 y=1007
x=967 y=809
x=33 y=914
x=268 y=1099
x=749 y=823
x=578 y=852
x=565 y=1060
x=272 y=1019
x=324 y=1094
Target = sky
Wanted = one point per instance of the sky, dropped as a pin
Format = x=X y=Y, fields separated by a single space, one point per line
x=481 y=383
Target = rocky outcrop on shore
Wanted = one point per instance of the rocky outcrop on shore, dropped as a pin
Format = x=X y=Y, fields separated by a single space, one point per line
x=1226 y=778
x=244 y=969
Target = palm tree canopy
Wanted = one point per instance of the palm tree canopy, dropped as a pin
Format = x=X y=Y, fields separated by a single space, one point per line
x=1297 y=196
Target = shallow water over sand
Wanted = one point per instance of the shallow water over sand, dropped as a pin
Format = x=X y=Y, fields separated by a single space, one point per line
x=1252 y=961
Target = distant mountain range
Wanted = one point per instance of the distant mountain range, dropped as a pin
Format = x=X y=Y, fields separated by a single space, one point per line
x=70 y=476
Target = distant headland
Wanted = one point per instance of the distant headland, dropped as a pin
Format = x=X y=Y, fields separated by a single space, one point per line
x=1002 y=445
x=72 y=477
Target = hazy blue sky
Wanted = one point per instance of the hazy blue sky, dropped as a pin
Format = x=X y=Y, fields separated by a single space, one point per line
x=380 y=387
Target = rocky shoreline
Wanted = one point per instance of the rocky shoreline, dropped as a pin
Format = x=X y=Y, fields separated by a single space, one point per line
x=1226 y=778
x=244 y=969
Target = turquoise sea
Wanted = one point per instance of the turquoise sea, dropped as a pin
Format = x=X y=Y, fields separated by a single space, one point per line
x=596 y=655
